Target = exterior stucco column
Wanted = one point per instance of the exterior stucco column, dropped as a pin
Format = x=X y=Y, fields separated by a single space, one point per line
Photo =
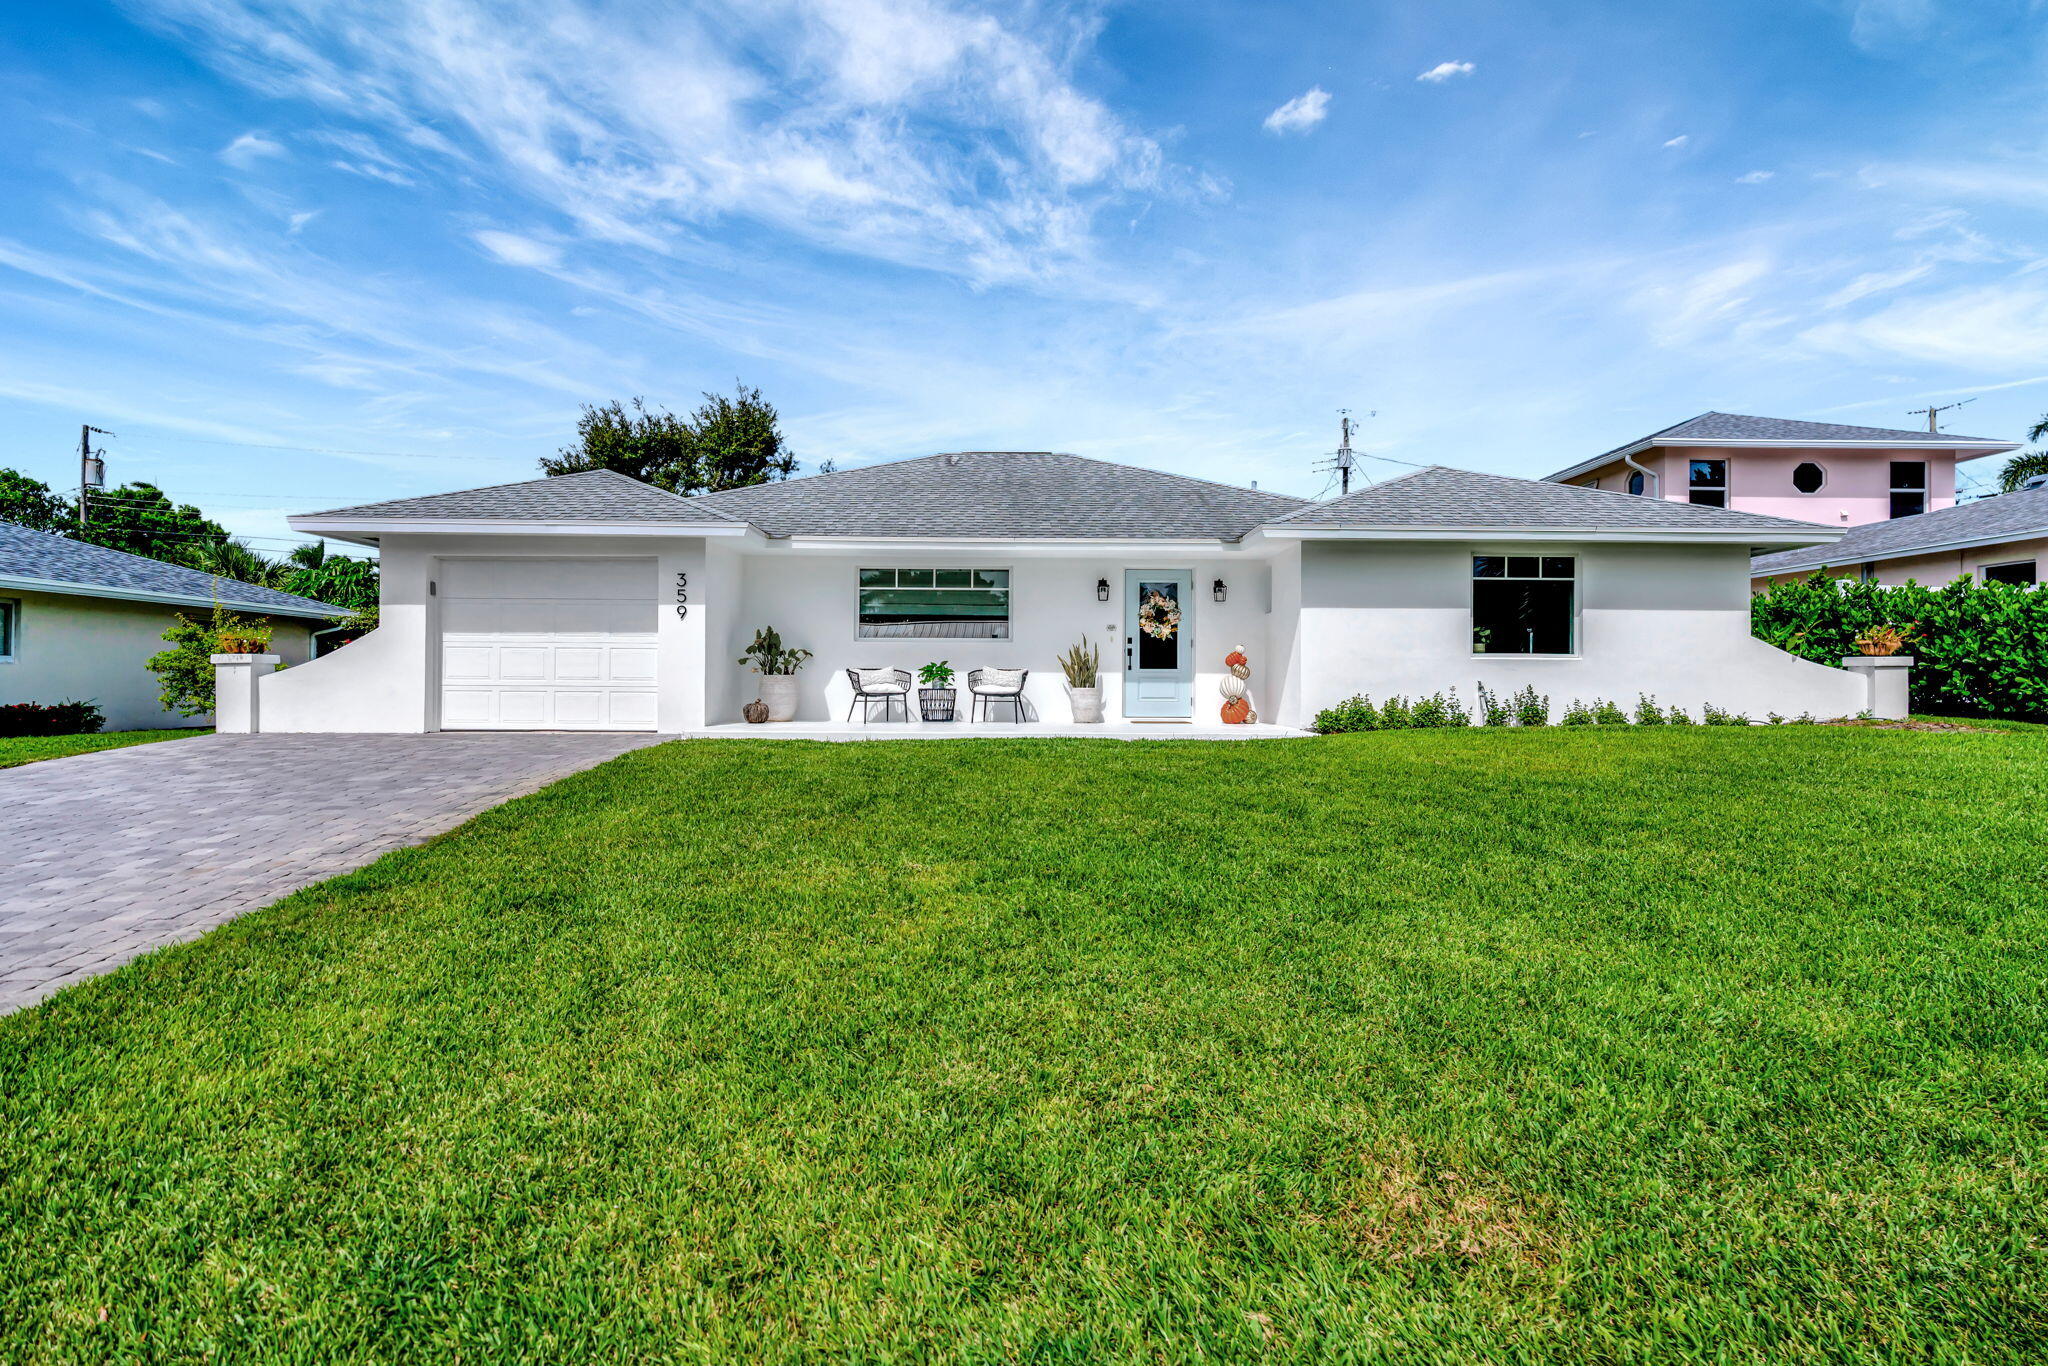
x=234 y=691
x=1885 y=679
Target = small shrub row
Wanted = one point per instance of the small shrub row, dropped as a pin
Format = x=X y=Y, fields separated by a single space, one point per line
x=53 y=718
x=1355 y=713
x=1524 y=708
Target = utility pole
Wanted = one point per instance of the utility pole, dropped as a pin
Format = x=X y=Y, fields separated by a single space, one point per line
x=92 y=468
x=1344 y=460
x=1933 y=413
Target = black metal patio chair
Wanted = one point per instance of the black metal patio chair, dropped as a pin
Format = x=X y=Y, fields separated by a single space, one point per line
x=879 y=685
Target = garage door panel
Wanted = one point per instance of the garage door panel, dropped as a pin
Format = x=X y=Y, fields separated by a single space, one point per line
x=548 y=644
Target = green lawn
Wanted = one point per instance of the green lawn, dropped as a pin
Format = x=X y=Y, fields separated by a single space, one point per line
x=1574 y=1046
x=26 y=749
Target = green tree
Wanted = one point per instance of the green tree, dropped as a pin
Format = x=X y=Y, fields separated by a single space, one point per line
x=231 y=559
x=340 y=579
x=141 y=520
x=2021 y=468
x=30 y=503
x=727 y=443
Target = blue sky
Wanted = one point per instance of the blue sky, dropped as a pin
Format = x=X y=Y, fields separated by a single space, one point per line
x=1178 y=234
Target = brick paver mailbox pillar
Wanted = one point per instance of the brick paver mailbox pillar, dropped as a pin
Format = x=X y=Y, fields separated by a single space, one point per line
x=1884 y=682
x=234 y=691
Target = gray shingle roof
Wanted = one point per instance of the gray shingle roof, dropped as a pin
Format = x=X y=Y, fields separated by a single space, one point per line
x=2009 y=516
x=1019 y=495
x=593 y=496
x=1438 y=497
x=1708 y=428
x=37 y=555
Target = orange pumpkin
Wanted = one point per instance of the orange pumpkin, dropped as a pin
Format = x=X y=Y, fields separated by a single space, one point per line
x=1234 y=658
x=1237 y=711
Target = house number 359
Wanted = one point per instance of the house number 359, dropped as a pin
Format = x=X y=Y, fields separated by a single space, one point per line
x=682 y=595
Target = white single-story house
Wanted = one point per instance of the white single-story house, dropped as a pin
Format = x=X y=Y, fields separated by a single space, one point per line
x=78 y=623
x=593 y=601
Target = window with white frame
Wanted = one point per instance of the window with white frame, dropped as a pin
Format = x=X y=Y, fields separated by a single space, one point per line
x=1635 y=483
x=1909 y=488
x=10 y=627
x=1524 y=604
x=2012 y=571
x=1706 y=482
x=934 y=604
x=1808 y=477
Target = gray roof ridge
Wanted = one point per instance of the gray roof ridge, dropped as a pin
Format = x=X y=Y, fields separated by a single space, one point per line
x=1063 y=455
x=1313 y=504
x=514 y=484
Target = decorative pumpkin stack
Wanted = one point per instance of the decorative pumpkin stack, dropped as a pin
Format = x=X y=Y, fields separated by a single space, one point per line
x=1237 y=705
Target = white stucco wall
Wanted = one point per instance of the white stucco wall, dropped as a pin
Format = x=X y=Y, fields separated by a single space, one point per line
x=812 y=600
x=71 y=648
x=389 y=680
x=1391 y=617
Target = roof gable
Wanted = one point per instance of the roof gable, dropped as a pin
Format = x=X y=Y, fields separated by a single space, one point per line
x=37 y=557
x=1002 y=495
x=2008 y=516
x=1710 y=428
x=1438 y=498
x=591 y=496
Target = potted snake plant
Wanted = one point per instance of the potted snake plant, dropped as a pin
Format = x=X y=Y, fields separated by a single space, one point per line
x=1084 y=681
x=777 y=667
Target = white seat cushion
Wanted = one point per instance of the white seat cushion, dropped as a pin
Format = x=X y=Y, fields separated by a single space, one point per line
x=1000 y=680
x=881 y=680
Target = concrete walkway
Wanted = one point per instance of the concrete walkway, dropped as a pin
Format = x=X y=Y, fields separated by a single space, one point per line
x=109 y=855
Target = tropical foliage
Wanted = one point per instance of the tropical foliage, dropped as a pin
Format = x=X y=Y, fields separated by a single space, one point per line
x=768 y=656
x=1979 y=649
x=50 y=718
x=185 y=671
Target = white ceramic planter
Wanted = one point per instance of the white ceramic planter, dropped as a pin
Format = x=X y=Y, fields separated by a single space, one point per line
x=779 y=692
x=1087 y=704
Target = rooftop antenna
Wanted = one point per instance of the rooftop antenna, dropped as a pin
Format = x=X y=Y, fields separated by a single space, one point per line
x=1933 y=413
x=1344 y=460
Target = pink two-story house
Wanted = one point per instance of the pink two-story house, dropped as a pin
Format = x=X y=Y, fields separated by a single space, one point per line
x=1834 y=475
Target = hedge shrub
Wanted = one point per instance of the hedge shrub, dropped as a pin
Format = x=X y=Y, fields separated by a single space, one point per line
x=1979 y=649
x=51 y=718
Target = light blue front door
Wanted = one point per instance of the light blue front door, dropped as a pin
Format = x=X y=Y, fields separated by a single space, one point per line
x=1159 y=671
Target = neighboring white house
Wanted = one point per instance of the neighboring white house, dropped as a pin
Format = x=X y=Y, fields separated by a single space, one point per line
x=79 y=622
x=593 y=601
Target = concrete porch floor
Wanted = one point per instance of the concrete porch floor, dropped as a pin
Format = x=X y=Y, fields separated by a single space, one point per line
x=1006 y=730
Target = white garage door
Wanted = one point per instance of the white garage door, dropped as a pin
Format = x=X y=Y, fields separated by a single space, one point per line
x=534 y=644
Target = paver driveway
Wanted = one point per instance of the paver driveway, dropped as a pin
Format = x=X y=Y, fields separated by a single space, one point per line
x=110 y=855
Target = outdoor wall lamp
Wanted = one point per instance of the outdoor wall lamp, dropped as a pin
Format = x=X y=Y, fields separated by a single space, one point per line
x=1102 y=590
x=1220 y=591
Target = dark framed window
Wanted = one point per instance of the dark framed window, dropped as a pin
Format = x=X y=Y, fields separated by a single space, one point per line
x=1909 y=488
x=934 y=604
x=1635 y=482
x=2015 y=571
x=1523 y=604
x=1706 y=482
x=1808 y=477
x=10 y=613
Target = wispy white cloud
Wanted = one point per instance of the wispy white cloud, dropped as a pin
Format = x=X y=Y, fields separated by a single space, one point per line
x=1444 y=71
x=1754 y=177
x=515 y=250
x=1681 y=140
x=249 y=149
x=1301 y=113
x=906 y=130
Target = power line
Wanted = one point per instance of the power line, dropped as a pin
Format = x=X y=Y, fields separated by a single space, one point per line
x=326 y=450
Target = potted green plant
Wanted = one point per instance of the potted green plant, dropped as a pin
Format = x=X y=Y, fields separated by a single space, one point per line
x=1084 y=681
x=777 y=667
x=935 y=698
